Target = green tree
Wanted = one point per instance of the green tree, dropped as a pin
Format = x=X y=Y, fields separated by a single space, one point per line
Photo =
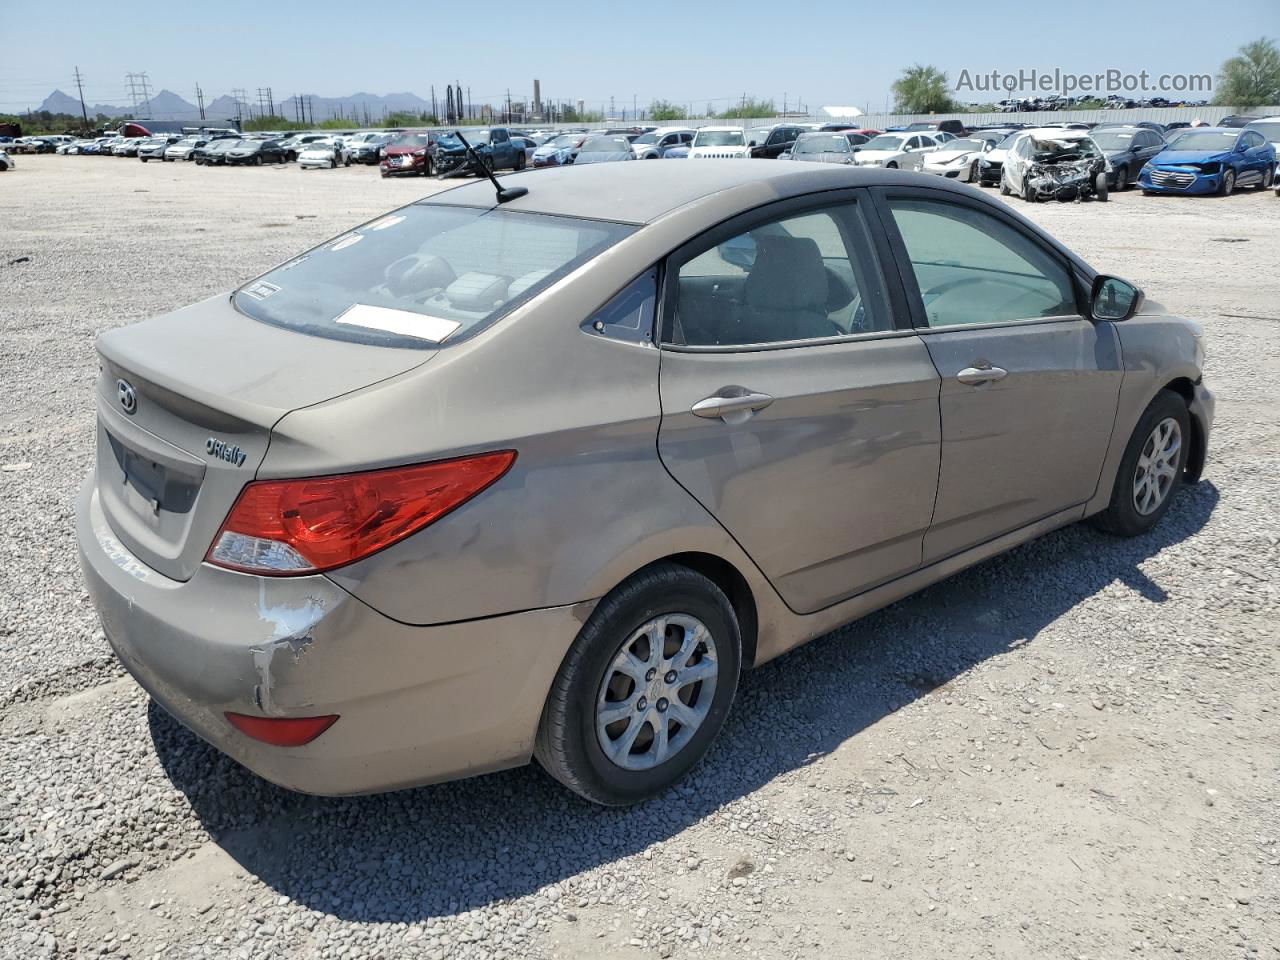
x=269 y=122
x=748 y=108
x=1252 y=77
x=666 y=110
x=923 y=89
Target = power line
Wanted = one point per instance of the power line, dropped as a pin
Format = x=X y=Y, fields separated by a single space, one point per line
x=139 y=91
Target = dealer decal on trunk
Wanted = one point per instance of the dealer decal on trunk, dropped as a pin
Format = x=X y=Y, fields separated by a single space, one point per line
x=225 y=451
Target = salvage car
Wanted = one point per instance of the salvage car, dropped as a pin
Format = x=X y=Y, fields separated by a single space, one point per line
x=770 y=143
x=417 y=505
x=329 y=153
x=1211 y=160
x=154 y=149
x=409 y=153
x=1055 y=164
x=822 y=148
x=604 y=149
x=493 y=146
x=184 y=148
x=992 y=162
x=369 y=150
x=256 y=152
x=558 y=151
x=1127 y=150
x=655 y=144
x=719 y=143
x=897 y=151
x=6 y=161
x=958 y=159
x=214 y=153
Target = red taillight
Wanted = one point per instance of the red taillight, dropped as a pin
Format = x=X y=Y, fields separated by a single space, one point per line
x=290 y=527
x=281 y=731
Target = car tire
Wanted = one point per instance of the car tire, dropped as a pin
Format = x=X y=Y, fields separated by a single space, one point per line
x=1028 y=193
x=519 y=162
x=1122 y=179
x=1131 y=511
x=1268 y=176
x=1100 y=189
x=257 y=161
x=570 y=744
x=1227 y=184
x=891 y=165
x=1004 y=188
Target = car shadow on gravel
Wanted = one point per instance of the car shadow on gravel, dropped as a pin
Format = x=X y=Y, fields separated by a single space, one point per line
x=436 y=851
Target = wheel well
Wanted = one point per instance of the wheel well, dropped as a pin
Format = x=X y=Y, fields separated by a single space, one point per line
x=726 y=576
x=1184 y=388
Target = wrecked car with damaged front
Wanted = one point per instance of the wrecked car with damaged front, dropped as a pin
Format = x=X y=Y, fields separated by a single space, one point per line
x=1054 y=164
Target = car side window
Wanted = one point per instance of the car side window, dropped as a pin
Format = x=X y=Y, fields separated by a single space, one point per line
x=972 y=267
x=798 y=277
x=500 y=136
x=629 y=315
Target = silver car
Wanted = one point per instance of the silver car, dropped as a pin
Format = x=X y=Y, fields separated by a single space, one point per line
x=897 y=151
x=537 y=476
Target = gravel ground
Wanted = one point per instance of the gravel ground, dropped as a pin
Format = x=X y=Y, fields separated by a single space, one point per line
x=1069 y=751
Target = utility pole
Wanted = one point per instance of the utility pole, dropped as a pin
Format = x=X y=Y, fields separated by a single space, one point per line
x=271 y=104
x=433 y=103
x=507 y=117
x=200 y=100
x=84 y=111
x=471 y=110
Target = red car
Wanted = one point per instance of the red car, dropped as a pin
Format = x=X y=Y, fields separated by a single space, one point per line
x=410 y=153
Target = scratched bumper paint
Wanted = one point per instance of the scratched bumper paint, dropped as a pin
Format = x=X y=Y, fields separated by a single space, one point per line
x=417 y=704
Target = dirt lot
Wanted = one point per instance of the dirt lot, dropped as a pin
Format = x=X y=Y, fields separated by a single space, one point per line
x=1070 y=751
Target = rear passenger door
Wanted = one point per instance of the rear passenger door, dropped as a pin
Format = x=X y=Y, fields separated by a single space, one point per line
x=798 y=406
x=1029 y=385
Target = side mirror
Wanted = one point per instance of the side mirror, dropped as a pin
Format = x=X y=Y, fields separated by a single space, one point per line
x=1114 y=299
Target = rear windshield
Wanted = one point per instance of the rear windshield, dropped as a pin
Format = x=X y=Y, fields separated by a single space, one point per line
x=424 y=273
x=822 y=143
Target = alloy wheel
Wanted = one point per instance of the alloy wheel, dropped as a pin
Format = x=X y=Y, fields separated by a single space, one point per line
x=657 y=691
x=1157 y=466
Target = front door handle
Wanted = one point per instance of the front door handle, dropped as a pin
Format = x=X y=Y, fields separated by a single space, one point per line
x=713 y=407
x=978 y=375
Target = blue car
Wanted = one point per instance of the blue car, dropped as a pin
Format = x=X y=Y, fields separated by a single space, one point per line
x=1210 y=160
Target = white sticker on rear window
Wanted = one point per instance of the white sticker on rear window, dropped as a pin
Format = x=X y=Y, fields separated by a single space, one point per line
x=350 y=240
x=384 y=223
x=406 y=323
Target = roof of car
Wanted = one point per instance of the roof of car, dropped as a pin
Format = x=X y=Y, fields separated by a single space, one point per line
x=643 y=192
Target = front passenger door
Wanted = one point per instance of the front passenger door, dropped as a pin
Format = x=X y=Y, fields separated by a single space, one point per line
x=798 y=407
x=1029 y=385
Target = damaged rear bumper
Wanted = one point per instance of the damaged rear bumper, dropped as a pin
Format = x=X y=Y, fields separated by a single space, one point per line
x=416 y=704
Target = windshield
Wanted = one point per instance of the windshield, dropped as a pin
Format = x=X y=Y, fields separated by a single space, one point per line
x=474 y=137
x=825 y=143
x=189 y=142
x=423 y=273
x=227 y=144
x=1108 y=140
x=1055 y=150
x=1007 y=142
x=606 y=145
x=410 y=140
x=1268 y=128
x=645 y=139
x=966 y=145
x=567 y=140
x=886 y=142
x=1210 y=140
x=718 y=138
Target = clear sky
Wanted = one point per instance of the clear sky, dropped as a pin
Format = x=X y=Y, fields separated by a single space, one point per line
x=822 y=52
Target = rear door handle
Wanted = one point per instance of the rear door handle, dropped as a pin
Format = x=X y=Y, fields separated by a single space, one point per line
x=713 y=407
x=978 y=375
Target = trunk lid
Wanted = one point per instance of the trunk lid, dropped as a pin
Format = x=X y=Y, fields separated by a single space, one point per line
x=186 y=404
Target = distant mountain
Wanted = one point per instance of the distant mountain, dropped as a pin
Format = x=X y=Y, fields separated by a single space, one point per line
x=167 y=105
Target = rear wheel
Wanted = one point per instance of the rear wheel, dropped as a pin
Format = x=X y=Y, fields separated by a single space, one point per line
x=519 y=162
x=644 y=689
x=1151 y=469
x=1267 y=176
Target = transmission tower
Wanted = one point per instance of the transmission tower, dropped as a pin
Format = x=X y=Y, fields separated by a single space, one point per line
x=139 y=90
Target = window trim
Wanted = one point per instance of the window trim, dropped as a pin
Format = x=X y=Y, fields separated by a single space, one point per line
x=1081 y=280
x=858 y=197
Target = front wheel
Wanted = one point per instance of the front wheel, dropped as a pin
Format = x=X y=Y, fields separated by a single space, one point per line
x=645 y=688
x=1122 y=178
x=1227 y=184
x=1100 y=187
x=1151 y=469
x=1028 y=192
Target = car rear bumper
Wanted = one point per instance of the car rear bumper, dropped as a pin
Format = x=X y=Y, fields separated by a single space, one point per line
x=415 y=704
